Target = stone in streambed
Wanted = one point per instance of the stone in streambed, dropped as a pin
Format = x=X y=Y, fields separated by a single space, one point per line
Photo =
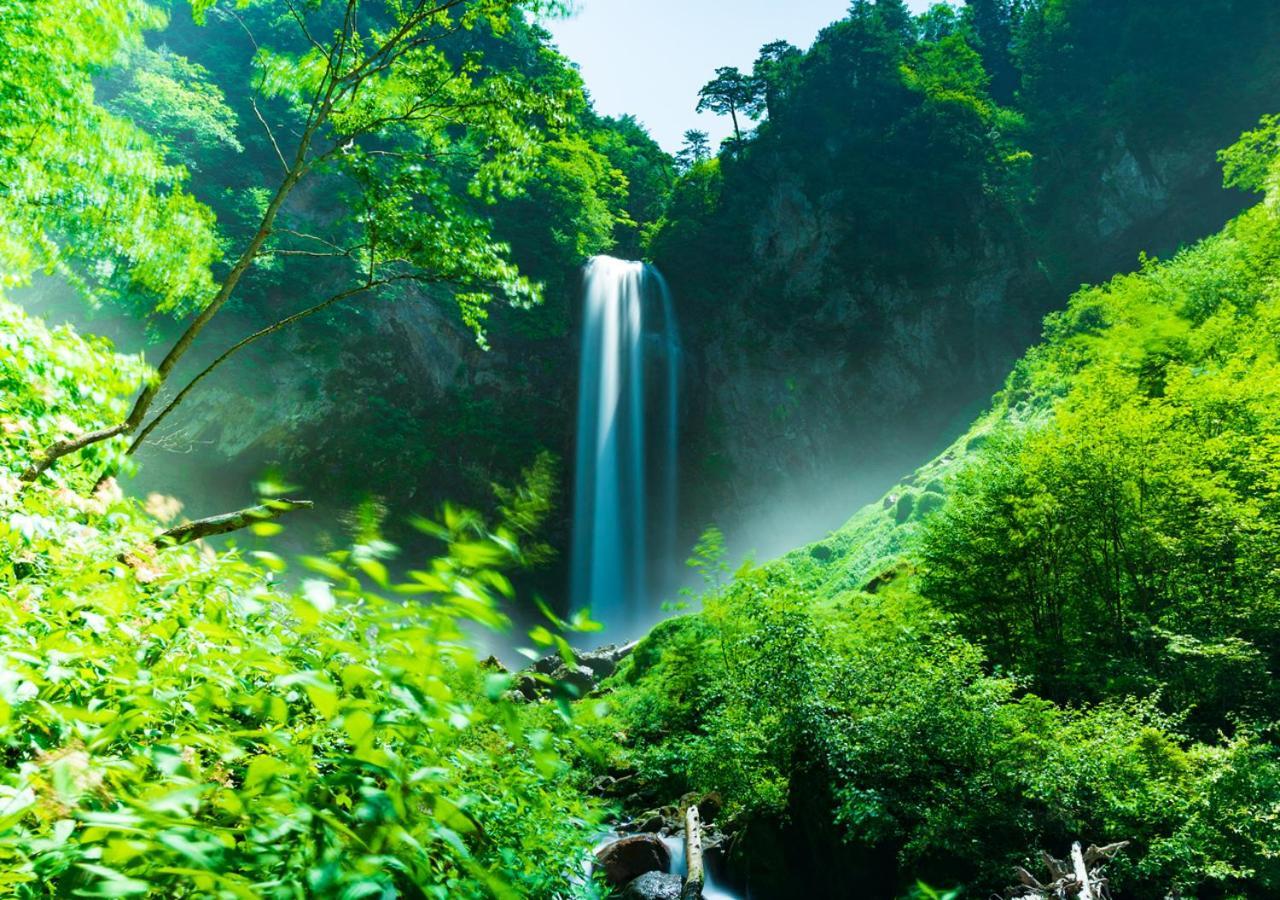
x=627 y=859
x=654 y=886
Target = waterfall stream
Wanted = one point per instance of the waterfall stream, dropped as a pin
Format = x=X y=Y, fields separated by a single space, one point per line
x=625 y=482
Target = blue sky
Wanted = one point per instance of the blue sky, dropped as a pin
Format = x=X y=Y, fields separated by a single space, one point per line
x=649 y=57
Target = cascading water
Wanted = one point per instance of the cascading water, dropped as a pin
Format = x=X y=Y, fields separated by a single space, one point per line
x=625 y=490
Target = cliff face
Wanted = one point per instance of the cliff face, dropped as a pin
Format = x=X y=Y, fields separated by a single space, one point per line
x=791 y=420
x=795 y=420
x=392 y=399
x=850 y=294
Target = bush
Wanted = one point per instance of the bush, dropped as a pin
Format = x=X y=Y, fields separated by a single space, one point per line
x=181 y=723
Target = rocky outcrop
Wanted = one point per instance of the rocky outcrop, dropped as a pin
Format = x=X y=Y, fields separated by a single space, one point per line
x=625 y=860
x=551 y=675
x=654 y=886
x=600 y=662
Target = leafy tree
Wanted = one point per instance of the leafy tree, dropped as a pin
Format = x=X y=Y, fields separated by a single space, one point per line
x=1120 y=545
x=696 y=149
x=774 y=72
x=730 y=93
x=893 y=16
x=993 y=23
x=87 y=193
x=649 y=171
x=383 y=112
x=939 y=21
x=176 y=102
x=1253 y=162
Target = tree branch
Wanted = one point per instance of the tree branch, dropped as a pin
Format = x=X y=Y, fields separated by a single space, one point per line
x=253 y=98
x=227 y=522
x=257 y=335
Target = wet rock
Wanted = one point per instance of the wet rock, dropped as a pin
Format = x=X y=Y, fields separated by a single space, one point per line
x=589 y=669
x=577 y=681
x=603 y=662
x=528 y=687
x=709 y=807
x=650 y=822
x=627 y=859
x=654 y=886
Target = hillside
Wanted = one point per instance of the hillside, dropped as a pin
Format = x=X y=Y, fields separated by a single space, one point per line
x=860 y=272
x=1063 y=625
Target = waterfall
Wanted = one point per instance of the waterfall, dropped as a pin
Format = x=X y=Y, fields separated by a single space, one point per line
x=625 y=486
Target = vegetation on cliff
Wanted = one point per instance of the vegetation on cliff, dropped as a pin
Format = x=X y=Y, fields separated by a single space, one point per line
x=1062 y=627
x=184 y=722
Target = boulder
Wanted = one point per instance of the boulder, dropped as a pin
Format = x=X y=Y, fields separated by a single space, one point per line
x=576 y=681
x=709 y=806
x=604 y=661
x=650 y=823
x=654 y=886
x=589 y=669
x=627 y=859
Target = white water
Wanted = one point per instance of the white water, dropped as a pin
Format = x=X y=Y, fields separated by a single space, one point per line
x=711 y=888
x=625 y=482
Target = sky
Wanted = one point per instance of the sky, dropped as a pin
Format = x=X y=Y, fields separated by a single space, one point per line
x=650 y=57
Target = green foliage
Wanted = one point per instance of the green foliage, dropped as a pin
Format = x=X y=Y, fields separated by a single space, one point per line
x=1253 y=162
x=526 y=507
x=84 y=192
x=183 y=723
x=1124 y=543
x=866 y=728
x=174 y=100
x=53 y=382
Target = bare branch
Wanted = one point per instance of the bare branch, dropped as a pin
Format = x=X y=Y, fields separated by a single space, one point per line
x=228 y=522
x=67 y=446
x=253 y=98
x=302 y=24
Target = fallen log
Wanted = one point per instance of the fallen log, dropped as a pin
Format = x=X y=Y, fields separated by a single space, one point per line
x=1083 y=878
x=227 y=522
x=696 y=877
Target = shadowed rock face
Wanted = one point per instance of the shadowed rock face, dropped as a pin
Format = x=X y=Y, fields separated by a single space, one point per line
x=796 y=419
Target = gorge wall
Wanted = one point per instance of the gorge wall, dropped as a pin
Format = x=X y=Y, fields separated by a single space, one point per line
x=853 y=281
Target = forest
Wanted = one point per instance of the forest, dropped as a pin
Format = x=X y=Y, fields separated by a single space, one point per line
x=416 y=481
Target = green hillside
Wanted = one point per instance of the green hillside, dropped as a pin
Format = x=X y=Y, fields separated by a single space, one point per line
x=1063 y=626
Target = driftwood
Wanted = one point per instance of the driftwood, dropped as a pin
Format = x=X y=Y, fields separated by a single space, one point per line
x=693 y=855
x=1083 y=878
x=227 y=522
